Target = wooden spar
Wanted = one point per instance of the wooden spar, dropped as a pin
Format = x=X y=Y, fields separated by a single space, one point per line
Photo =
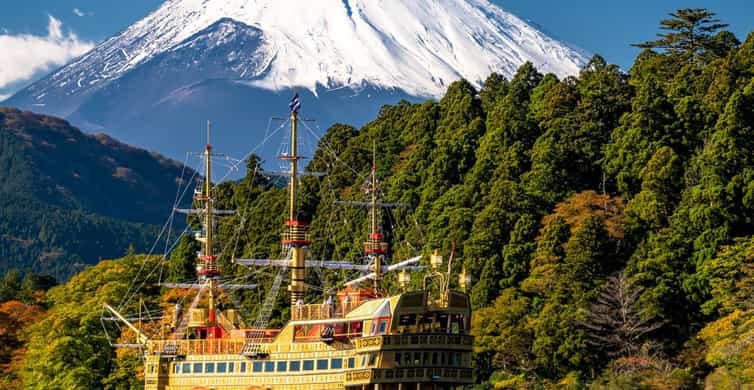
x=141 y=336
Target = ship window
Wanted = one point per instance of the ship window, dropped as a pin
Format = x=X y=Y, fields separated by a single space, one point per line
x=371 y=330
x=351 y=362
x=222 y=367
x=372 y=359
x=425 y=361
x=308 y=365
x=442 y=358
x=269 y=366
x=407 y=319
x=209 y=368
x=295 y=365
x=231 y=367
x=434 y=358
x=398 y=358
x=176 y=368
x=336 y=363
x=383 y=327
x=417 y=358
x=243 y=367
x=456 y=359
x=197 y=368
x=322 y=364
x=282 y=366
x=364 y=361
x=186 y=369
x=256 y=367
x=151 y=368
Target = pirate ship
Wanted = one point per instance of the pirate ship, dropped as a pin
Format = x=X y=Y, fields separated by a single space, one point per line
x=360 y=337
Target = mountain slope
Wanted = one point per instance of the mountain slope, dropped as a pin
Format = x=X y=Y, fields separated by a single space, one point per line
x=70 y=198
x=376 y=52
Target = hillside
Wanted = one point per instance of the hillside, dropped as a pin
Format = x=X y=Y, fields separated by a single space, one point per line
x=606 y=218
x=70 y=199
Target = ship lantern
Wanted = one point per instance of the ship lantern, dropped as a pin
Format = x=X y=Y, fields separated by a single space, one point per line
x=436 y=261
x=404 y=278
x=464 y=279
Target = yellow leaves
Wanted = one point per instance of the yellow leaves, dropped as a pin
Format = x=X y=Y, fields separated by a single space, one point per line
x=542 y=277
x=730 y=348
x=730 y=339
x=579 y=206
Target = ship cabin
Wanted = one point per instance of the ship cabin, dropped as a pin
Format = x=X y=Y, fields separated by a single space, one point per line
x=351 y=341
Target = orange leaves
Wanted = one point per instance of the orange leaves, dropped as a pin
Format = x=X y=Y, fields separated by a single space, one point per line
x=579 y=206
x=15 y=317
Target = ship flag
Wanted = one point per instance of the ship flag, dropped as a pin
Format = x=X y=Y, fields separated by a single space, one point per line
x=295 y=103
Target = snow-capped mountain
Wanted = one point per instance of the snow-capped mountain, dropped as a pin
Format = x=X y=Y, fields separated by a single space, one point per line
x=236 y=61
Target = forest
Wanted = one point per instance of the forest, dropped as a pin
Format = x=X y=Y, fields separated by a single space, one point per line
x=607 y=219
x=70 y=199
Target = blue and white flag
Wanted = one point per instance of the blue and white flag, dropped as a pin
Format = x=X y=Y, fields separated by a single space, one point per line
x=295 y=103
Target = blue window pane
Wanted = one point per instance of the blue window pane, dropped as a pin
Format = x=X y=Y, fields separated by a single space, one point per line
x=269 y=366
x=231 y=367
x=308 y=365
x=282 y=366
x=209 y=368
x=222 y=367
x=186 y=369
x=295 y=365
x=177 y=369
x=197 y=368
x=322 y=364
x=243 y=367
x=256 y=367
x=336 y=364
x=383 y=327
x=351 y=362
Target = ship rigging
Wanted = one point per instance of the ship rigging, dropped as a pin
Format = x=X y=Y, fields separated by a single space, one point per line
x=359 y=337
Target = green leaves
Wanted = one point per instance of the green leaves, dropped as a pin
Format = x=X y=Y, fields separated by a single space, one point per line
x=690 y=34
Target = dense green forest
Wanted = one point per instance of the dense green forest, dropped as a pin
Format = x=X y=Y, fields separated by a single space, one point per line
x=70 y=199
x=607 y=219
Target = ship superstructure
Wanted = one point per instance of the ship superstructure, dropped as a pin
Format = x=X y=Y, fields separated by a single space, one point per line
x=359 y=337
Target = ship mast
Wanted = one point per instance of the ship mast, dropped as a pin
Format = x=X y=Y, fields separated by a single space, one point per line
x=374 y=247
x=295 y=238
x=207 y=259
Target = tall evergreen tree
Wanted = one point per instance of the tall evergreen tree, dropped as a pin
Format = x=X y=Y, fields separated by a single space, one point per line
x=690 y=33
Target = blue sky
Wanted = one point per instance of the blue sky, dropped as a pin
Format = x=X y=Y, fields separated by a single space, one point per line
x=598 y=26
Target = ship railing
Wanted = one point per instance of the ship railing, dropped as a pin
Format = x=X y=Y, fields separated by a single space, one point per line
x=412 y=341
x=414 y=374
x=197 y=347
x=319 y=311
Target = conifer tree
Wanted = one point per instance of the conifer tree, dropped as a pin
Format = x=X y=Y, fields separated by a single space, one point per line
x=690 y=33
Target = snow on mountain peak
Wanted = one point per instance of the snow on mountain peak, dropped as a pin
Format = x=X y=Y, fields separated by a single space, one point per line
x=418 y=46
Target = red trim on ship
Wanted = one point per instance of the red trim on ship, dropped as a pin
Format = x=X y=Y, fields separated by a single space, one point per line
x=296 y=242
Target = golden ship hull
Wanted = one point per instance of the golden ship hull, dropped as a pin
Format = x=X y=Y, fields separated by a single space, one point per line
x=399 y=342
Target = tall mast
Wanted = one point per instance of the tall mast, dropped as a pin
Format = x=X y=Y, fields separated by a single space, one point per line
x=207 y=258
x=375 y=248
x=294 y=167
x=295 y=238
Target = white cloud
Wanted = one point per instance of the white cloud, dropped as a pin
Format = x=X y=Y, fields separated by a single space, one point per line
x=3 y=97
x=24 y=55
x=79 y=12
